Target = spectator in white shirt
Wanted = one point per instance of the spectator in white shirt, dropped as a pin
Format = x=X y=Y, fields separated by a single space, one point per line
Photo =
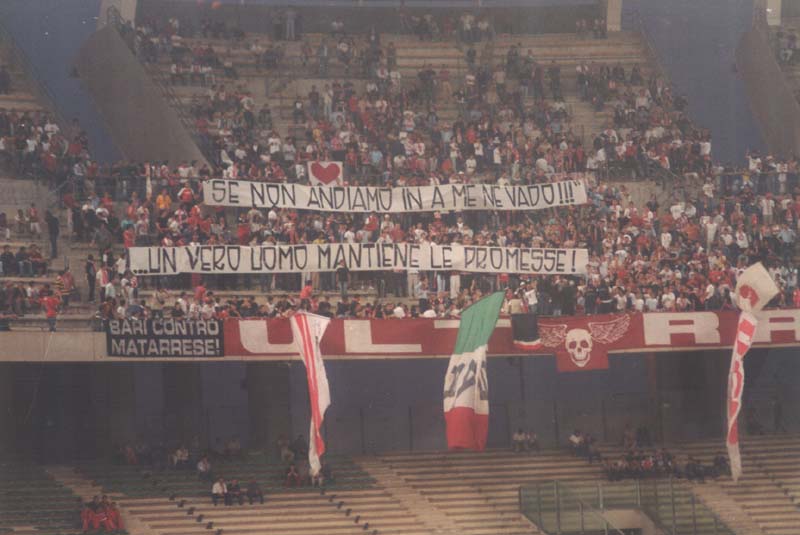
x=219 y=491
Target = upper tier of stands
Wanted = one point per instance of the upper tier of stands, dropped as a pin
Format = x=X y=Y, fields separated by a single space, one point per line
x=702 y=245
x=21 y=95
x=787 y=50
x=240 y=68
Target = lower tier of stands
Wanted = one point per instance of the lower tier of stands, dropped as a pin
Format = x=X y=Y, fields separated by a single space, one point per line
x=472 y=493
x=32 y=503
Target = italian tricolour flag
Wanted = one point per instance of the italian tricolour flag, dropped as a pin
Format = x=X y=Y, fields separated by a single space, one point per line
x=466 y=389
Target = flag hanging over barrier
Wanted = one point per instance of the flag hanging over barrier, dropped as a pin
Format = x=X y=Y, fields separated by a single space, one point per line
x=466 y=388
x=525 y=330
x=308 y=330
x=744 y=339
x=754 y=289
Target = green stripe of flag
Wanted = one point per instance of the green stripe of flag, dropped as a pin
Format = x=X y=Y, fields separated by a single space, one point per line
x=477 y=323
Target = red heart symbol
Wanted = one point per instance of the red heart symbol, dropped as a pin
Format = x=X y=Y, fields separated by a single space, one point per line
x=326 y=173
x=748 y=293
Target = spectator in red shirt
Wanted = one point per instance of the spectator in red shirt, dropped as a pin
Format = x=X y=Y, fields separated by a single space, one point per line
x=186 y=195
x=307 y=291
x=50 y=304
x=129 y=237
x=200 y=292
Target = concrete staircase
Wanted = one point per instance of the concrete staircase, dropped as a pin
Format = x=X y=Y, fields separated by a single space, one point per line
x=159 y=516
x=479 y=492
x=760 y=494
x=585 y=121
x=22 y=96
x=86 y=489
x=433 y=520
x=20 y=193
x=765 y=503
x=135 y=523
x=83 y=487
x=715 y=498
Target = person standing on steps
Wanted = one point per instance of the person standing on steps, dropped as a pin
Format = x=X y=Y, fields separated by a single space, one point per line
x=778 y=426
x=343 y=278
x=50 y=304
x=91 y=276
x=33 y=221
x=53 y=230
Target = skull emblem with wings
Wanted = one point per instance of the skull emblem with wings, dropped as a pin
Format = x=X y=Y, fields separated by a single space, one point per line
x=579 y=344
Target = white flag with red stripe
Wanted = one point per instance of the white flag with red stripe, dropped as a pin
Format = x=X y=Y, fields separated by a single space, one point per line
x=308 y=330
x=754 y=289
x=744 y=338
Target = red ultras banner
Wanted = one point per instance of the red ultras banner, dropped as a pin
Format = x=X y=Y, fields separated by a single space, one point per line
x=578 y=342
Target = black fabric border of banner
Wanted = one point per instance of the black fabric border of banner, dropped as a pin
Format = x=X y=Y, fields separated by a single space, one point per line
x=191 y=342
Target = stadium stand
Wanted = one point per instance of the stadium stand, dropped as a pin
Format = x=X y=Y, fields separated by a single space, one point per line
x=769 y=492
x=284 y=84
x=667 y=229
x=467 y=492
x=240 y=61
x=480 y=492
x=17 y=92
x=787 y=51
x=764 y=497
x=175 y=501
x=32 y=503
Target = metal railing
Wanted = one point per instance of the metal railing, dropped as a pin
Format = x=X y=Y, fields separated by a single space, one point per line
x=561 y=508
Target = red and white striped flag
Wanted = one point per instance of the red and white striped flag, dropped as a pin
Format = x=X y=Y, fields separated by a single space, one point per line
x=308 y=330
x=754 y=289
x=744 y=338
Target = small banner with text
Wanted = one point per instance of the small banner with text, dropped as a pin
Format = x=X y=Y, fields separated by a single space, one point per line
x=158 y=338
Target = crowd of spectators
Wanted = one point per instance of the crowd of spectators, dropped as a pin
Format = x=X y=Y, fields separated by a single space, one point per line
x=101 y=514
x=641 y=464
x=512 y=128
x=639 y=459
x=684 y=257
x=293 y=472
x=524 y=441
x=32 y=144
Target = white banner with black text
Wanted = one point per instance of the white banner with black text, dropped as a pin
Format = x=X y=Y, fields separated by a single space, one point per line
x=364 y=199
x=216 y=259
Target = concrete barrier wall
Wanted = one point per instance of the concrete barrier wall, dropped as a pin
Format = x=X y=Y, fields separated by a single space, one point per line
x=377 y=405
x=139 y=118
x=771 y=97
